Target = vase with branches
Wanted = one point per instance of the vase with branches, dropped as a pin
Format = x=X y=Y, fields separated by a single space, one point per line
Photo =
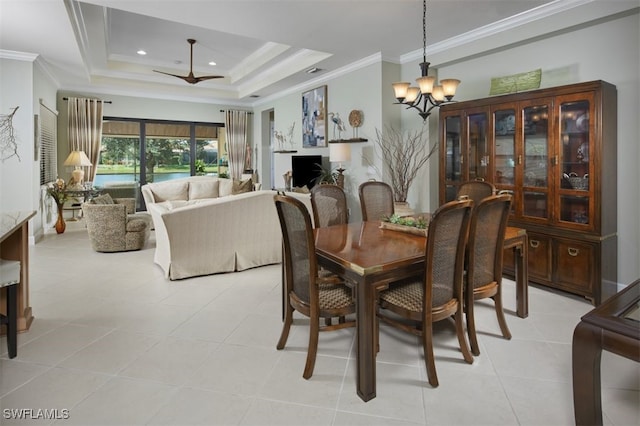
x=403 y=154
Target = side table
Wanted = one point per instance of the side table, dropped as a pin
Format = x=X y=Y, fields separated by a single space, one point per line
x=613 y=326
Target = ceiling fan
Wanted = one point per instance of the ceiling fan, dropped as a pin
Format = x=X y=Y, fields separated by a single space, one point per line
x=191 y=79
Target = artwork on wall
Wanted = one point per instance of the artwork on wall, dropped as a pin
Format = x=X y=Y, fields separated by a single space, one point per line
x=314 y=118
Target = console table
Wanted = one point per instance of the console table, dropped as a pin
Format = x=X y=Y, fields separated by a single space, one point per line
x=613 y=326
x=14 y=245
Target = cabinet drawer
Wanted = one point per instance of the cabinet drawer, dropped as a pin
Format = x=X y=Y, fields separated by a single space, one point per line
x=575 y=265
x=539 y=257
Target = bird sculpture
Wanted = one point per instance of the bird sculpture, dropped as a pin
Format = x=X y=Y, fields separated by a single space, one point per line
x=337 y=124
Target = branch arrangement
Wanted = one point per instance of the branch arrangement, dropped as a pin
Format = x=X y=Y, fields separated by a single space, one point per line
x=403 y=155
x=8 y=144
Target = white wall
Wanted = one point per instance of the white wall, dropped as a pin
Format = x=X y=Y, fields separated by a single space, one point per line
x=605 y=51
x=359 y=90
x=16 y=86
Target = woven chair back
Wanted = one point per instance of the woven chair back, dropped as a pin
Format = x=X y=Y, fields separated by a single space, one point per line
x=299 y=249
x=329 y=204
x=376 y=200
x=486 y=240
x=446 y=240
x=476 y=190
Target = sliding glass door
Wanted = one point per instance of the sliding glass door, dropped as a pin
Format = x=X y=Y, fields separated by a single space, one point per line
x=135 y=152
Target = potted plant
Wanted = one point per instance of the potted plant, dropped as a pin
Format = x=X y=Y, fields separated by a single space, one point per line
x=326 y=175
x=403 y=154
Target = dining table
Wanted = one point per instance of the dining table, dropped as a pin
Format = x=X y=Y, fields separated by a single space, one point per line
x=369 y=258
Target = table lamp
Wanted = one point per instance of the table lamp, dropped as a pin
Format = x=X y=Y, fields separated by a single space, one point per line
x=77 y=159
x=339 y=152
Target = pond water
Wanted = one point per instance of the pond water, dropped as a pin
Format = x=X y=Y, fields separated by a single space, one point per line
x=101 y=179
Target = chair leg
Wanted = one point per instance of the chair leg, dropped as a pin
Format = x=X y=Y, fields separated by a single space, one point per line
x=427 y=344
x=471 y=327
x=12 y=316
x=461 y=337
x=288 y=319
x=500 y=313
x=314 y=331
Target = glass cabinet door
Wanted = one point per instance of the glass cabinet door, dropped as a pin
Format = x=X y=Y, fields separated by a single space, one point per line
x=574 y=159
x=505 y=151
x=477 y=123
x=535 y=159
x=453 y=175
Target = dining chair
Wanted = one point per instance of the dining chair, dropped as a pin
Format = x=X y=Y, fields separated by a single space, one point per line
x=476 y=190
x=329 y=205
x=484 y=256
x=376 y=200
x=306 y=292
x=414 y=304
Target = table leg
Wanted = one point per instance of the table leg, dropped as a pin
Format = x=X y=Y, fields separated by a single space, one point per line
x=522 y=277
x=586 y=355
x=366 y=353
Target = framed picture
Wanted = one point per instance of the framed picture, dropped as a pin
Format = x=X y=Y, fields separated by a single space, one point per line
x=314 y=118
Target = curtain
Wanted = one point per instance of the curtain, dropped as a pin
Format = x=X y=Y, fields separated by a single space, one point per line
x=85 y=130
x=236 y=127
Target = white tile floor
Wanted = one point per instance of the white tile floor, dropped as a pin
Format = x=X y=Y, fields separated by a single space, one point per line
x=113 y=342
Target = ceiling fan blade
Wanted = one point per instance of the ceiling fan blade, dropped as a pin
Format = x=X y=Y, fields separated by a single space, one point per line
x=208 y=77
x=191 y=79
x=172 y=75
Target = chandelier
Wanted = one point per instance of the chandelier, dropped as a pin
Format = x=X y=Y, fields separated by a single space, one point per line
x=428 y=94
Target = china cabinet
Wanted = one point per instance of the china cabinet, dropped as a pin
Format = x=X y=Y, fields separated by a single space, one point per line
x=554 y=150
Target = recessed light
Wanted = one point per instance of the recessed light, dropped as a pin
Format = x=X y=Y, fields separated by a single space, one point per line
x=141 y=52
x=213 y=64
x=254 y=96
x=313 y=70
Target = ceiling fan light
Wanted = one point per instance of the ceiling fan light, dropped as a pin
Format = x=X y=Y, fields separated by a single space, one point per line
x=400 y=90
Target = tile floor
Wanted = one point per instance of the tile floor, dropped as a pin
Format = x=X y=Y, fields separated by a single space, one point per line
x=113 y=342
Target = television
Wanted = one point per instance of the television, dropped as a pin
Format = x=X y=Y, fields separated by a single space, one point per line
x=305 y=170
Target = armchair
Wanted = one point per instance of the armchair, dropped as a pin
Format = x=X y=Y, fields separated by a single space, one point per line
x=111 y=229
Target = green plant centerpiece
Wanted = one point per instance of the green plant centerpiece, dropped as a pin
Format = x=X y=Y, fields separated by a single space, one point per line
x=419 y=222
x=403 y=154
x=412 y=224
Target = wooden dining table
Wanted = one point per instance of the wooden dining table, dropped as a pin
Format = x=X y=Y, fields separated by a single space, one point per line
x=370 y=257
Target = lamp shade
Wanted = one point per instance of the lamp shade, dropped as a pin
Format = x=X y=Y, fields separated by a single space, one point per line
x=77 y=159
x=339 y=152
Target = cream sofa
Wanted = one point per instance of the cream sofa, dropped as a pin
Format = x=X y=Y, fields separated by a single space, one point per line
x=189 y=189
x=202 y=236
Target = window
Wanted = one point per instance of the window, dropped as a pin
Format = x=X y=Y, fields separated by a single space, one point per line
x=48 y=145
x=139 y=151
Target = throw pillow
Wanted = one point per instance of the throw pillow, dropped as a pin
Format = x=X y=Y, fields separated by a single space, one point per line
x=226 y=187
x=203 y=189
x=163 y=191
x=240 y=186
x=103 y=199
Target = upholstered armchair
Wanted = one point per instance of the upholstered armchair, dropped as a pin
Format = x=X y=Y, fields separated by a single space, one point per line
x=111 y=228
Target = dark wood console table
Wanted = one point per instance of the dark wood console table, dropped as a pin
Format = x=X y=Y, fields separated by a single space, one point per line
x=14 y=245
x=613 y=326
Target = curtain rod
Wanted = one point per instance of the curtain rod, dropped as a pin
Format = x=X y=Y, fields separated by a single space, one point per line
x=248 y=112
x=106 y=102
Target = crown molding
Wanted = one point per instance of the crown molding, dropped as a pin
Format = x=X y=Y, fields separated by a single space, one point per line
x=18 y=56
x=507 y=24
x=324 y=78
